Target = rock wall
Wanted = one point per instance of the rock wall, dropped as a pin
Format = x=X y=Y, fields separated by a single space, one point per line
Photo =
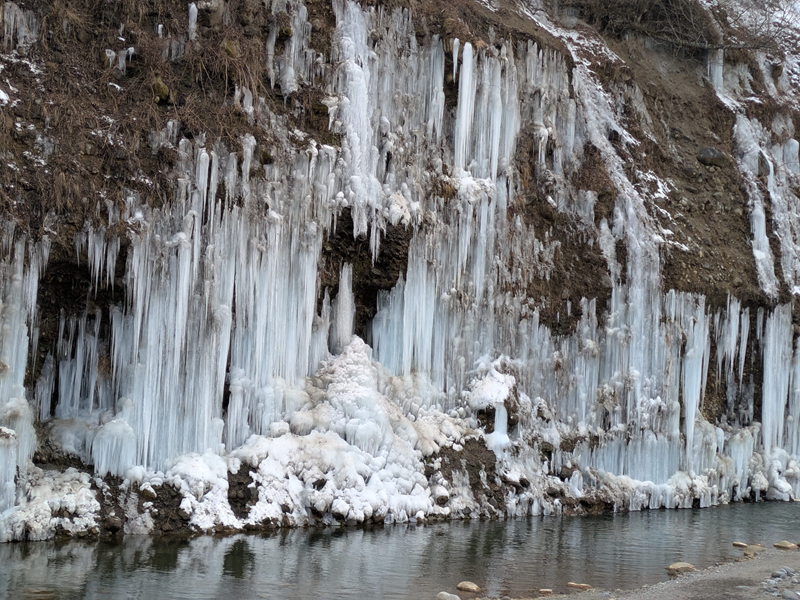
x=286 y=263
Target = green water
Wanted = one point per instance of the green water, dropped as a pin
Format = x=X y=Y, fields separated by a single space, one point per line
x=513 y=557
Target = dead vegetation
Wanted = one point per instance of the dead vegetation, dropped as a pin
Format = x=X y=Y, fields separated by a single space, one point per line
x=693 y=26
x=97 y=112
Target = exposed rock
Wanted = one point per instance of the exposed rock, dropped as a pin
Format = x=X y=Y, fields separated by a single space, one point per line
x=113 y=524
x=753 y=549
x=784 y=545
x=546 y=592
x=763 y=166
x=711 y=157
x=468 y=586
x=440 y=494
x=679 y=568
x=446 y=596
x=740 y=545
x=579 y=586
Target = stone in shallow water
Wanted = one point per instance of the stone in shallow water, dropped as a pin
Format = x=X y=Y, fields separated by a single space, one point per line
x=753 y=549
x=546 y=592
x=741 y=545
x=446 y=596
x=784 y=545
x=468 y=586
x=579 y=586
x=679 y=567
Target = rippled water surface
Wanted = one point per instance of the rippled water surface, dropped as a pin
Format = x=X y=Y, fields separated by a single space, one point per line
x=510 y=557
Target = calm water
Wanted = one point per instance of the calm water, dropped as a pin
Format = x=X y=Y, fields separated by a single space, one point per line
x=511 y=557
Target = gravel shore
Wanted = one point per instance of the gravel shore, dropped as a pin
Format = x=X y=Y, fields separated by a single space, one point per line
x=746 y=579
x=769 y=574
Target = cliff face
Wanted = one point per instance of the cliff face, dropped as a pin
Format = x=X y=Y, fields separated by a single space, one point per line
x=278 y=263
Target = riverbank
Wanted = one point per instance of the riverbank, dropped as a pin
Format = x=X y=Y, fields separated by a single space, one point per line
x=514 y=558
x=745 y=579
x=766 y=575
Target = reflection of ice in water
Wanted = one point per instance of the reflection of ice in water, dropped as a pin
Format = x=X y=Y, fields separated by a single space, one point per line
x=399 y=561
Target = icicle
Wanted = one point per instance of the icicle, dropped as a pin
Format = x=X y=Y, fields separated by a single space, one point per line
x=343 y=310
x=20 y=25
x=464 y=112
x=114 y=448
x=44 y=388
x=498 y=440
x=777 y=363
x=192 y=21
x=8 y=468
x=456 y=43
x=715 y=60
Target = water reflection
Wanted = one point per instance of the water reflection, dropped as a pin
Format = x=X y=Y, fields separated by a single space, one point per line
x=513 y=557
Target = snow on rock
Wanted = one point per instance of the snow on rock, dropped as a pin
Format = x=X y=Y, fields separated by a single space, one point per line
x=203 y=482
x=352 y=454
x=47 y=500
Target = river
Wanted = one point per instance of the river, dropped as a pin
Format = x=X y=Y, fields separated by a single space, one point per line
x=515 y=557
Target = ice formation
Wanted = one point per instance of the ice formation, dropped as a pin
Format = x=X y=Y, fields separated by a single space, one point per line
x=226 y=353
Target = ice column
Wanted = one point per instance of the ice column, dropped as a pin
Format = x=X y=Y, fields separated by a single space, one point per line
x=8 y=467
x=777 y=370
x=464 y=112
x=344 y=310
x=15 y=413
x=114 y=448
x=715 y=62
x=750 y=155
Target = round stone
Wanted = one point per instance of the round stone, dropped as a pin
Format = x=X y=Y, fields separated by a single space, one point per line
x=679 y=568
x=784 y=545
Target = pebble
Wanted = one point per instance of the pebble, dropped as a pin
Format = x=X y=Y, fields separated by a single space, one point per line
x=790 y=595
x=784 y=545
x=679 y=567
x=580 y=586
x=468 y=586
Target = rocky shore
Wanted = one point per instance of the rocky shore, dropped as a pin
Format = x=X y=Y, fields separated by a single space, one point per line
x=769 y=574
